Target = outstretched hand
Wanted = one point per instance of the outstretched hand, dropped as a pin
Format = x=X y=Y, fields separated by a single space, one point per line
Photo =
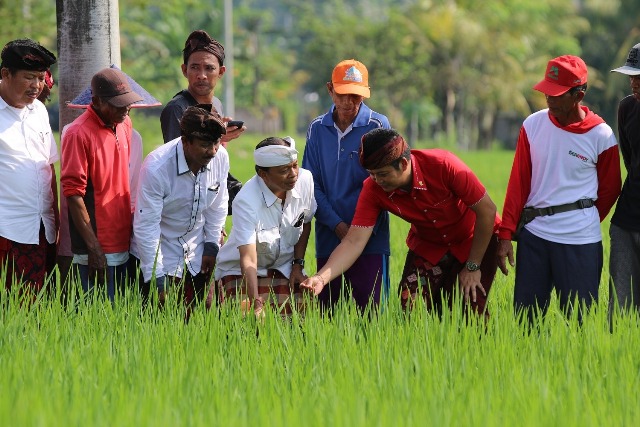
x=313 y=285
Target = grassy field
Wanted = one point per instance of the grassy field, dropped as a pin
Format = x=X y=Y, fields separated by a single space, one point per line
x=93 y=363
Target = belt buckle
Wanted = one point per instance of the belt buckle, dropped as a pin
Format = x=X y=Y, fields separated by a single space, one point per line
x=584 y=203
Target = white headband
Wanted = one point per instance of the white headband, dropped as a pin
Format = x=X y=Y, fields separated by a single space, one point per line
x=275 y=155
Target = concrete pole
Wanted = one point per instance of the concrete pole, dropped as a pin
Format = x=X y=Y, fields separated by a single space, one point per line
x=229 y=96
x=88 y=40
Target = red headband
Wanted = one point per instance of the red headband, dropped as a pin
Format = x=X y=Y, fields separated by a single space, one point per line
x=385 y=155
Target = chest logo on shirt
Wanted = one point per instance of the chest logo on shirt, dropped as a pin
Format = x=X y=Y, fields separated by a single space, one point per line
x=578 y=156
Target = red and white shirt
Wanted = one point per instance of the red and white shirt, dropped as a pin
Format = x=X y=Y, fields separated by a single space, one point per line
x=555 y=165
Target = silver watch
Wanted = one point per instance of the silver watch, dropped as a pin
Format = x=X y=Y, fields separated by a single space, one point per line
x=472 y=266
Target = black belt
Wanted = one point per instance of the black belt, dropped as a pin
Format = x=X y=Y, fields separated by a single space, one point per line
x=530 y=213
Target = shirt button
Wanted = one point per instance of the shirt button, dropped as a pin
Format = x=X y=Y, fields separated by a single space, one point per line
x=434 y=220
x=444 y=235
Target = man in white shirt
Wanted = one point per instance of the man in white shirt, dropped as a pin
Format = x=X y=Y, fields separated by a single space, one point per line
x=181 y=206
x=264 y=256
x=28 y=205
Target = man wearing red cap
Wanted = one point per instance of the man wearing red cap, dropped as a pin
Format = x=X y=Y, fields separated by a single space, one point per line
x=565 y=179
x=28 y=201
x=624 y=261
x=95 y=181
x=331 y=155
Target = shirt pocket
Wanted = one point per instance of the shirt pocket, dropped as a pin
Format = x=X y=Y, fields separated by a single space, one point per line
x=267 y=241
x=212 y=192
x=293 y=232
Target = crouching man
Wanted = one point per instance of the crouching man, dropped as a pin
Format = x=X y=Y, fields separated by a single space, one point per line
x=181 y=206
x=263 y=260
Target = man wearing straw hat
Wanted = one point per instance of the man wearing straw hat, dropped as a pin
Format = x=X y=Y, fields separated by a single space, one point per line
x=95 y=181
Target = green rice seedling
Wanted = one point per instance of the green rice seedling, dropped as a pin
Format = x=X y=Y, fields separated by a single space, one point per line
x=81 y=360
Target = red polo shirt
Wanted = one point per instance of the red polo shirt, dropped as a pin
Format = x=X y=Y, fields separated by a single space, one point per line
x=95 y=166
x=438 y=207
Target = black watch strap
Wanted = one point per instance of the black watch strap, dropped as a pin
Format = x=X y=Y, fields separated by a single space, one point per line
x=298 y=261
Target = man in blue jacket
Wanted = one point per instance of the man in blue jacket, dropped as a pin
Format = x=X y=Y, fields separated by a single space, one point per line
x=331 y=154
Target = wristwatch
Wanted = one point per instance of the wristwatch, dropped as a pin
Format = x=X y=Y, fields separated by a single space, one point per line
x=472 y=266
x=299 y=261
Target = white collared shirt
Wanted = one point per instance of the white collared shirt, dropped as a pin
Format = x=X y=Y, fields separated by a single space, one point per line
x=27 y=151
x=259 y=218
x=177 y=212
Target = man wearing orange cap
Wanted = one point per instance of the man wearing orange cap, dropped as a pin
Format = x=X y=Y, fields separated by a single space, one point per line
x=331 y=154
x=565 y=179
x=95 y=181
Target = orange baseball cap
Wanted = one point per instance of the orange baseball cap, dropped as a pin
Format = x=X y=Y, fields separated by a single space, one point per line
x=351 y=77
x=563 y=73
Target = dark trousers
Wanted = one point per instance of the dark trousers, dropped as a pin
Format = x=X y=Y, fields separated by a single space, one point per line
x=541 y=266
x=437 y=284
x=193 y=289
x=366 y=279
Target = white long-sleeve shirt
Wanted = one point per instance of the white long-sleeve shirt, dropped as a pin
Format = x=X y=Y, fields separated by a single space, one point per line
x=27 y=151
x=177 y=212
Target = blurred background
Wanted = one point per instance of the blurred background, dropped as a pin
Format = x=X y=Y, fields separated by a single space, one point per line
x=455 y=73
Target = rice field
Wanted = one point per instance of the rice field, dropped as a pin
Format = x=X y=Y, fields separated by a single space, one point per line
x=89 y=362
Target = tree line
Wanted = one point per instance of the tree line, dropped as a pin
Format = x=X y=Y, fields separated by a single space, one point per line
x=455 y=72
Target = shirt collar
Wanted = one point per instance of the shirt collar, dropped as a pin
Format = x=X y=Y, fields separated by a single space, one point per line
x=362 y=119
x=183 y=167
x=97 y=117
x=269 y=197
x=417 y=176
x=21 y=112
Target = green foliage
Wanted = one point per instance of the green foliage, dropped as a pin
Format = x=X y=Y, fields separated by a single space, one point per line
x=34 y=19
x=439 y=69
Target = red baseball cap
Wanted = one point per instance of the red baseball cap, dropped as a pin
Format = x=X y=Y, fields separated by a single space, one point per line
x=351 y=77
x=563 y=73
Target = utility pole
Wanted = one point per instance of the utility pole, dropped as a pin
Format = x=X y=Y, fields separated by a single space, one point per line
x=88 y=41
x=229 y=96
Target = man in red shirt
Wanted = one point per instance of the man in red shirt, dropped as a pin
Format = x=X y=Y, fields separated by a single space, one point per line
x=95 y=181
x=453 y=222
